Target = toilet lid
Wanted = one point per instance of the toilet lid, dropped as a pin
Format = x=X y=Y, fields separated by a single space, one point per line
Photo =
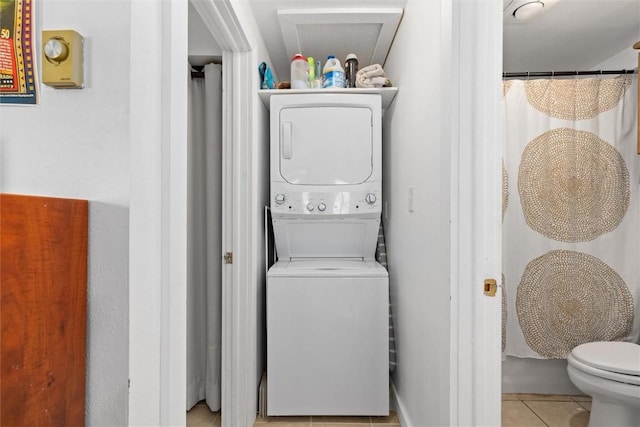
x=612 y=356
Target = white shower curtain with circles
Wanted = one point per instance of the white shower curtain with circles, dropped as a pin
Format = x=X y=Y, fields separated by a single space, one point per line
x=571 y=214
x=204 y=284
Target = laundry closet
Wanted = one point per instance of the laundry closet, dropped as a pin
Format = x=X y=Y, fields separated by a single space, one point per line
x=411 y=198
x=326 y=298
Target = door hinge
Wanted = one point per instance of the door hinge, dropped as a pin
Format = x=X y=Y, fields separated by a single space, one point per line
x=228 y=257
x=490 y=287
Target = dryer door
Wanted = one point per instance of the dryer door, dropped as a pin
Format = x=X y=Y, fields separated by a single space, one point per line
x=326 y=145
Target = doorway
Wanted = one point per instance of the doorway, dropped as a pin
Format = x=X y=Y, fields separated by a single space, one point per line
x=204 y=239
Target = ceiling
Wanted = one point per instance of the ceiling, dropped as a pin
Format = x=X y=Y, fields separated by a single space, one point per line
x=358 y=38
x=203 y=48
x=572 y=35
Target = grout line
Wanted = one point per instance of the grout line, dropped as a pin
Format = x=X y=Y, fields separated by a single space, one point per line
x=535 y=413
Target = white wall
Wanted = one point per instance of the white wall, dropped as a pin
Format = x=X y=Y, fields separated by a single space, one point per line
x=75 y=144
x=416 y=153
x=527 y=375
x=258 y=171
x=625 y=59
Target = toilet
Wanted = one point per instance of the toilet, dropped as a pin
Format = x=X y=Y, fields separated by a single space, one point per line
x=610 y=373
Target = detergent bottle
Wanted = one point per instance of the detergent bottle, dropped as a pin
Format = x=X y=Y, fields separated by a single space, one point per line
x=333 y=74
x=299 y=72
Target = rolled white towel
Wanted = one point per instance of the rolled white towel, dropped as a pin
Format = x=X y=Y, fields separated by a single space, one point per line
x=373 y=70
x=372 y=76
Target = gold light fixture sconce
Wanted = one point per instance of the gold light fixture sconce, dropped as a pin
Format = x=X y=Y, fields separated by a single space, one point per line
x=62 y=59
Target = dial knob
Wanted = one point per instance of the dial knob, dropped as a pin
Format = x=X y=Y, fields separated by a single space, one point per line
x=310 y=207
x=370 y=198
x=280 y=198
x=322 y=207
x=56 y=50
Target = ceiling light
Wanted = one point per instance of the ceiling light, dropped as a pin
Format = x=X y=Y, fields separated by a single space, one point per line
x=528 y=10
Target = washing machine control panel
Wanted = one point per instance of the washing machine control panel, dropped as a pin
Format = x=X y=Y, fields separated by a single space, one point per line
x=326 y=203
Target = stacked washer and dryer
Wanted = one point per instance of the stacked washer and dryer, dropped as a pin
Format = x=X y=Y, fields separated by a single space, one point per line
x=327 y=297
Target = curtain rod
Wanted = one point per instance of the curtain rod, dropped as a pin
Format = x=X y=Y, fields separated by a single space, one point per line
x=197 y=71
x=564 y=73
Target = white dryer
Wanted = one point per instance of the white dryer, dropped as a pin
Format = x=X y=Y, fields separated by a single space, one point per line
x=326 y=167
x=327 y=299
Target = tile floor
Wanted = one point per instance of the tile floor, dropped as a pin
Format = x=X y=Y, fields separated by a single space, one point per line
x=540 y=410
x=518 y=410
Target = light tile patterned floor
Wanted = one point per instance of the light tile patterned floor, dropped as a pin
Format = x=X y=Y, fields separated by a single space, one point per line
x=553 y=410
x=518 y=410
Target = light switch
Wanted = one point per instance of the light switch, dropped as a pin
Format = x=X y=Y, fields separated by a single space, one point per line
x=62 y=59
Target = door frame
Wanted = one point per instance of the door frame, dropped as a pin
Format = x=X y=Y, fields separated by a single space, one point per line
x=238 y=191
x=158 y=80
x=476 y=227
x=158 y=217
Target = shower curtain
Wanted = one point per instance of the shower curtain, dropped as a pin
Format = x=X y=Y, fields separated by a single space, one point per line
x=571 y=214
x=204 y=284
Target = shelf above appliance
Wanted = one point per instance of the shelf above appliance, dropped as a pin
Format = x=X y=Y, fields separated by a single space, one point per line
x=388 y=93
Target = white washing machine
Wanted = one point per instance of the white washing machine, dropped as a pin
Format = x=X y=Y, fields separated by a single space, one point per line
x=327 y=298
x=327 y=338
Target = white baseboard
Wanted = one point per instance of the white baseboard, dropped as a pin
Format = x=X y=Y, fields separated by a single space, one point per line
x=398 y=406
x=527 y=375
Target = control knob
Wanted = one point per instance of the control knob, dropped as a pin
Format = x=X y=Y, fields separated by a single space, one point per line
x=370 y=198
x=322 y=207
x=310 y=207
x=280 y=198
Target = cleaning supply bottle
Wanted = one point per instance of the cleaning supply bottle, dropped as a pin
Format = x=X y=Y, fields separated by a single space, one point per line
x=351 y=70
x=299 y=72
x=333 y=74
x=311 y=65
x=317 y=83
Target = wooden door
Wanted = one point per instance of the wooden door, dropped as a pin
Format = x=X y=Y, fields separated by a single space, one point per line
x=43 y=300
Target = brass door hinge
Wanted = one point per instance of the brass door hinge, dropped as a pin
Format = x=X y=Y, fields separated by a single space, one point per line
x=228 y=257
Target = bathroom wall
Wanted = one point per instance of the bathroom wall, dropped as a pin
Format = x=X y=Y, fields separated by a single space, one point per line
x=75 y=144
x=416 y=154
x=526 y=375
x=625 y=59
